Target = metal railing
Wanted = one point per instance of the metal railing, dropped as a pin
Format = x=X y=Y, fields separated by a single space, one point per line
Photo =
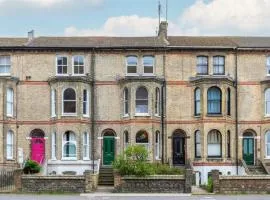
x=7 y=181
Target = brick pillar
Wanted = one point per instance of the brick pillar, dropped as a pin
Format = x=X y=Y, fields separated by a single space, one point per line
x=117 y=180
x=215 y=177
x=18 y=179
x=188 y=180
x=89 y=181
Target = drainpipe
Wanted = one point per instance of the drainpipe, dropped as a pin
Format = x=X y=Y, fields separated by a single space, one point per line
x=236 y=109
x=92 y=83
x=17 y=126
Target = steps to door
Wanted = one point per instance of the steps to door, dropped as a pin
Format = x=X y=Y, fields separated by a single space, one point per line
x=256 y=170
x=106 y=176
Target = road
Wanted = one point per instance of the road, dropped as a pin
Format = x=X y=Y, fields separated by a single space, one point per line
x=149 y=197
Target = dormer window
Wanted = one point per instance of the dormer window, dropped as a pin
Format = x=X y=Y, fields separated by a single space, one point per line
x=78 y=65
x=61 y=65
x=5 y=65
x=132 y=63
x=148 y=65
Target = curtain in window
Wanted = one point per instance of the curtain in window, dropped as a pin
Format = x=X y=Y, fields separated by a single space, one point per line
x=267 y=144
x=202 y=65
x=197 y=99
x=142 y=139
x=141 y=100
x=85 y=145
x=214 y=100
x=267 y=101
x=197 y=144
x=214 y=143
x=69 y=145
x=9 y=145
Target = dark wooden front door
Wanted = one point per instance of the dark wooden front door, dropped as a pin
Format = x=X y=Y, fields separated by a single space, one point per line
x=179 y=150
x=108 y=150
x=248 y=150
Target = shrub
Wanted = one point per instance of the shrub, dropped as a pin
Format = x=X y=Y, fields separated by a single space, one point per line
x=137 y=153
x=31 y=167
x=162 y=169
x=210 y=184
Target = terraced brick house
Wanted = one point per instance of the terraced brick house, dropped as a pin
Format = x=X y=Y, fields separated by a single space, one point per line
x=68 y=102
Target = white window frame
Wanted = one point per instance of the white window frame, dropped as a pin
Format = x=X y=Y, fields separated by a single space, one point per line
x=142 y=113
x=268 y=65
x=7 y=64
x=266 y=102
x=153 y=66
x=53 y=146
x=56 y=64
x=86 y=146
x=157 y=102
x=85 y=103
x=201 y=65
x=69 y=114
x=217 y=67
x=266 y=144
x=198 y=144
x=158 y=145
x=126 y=102
x=73 y=65
x=127 y=65
x=53 y=103
x=126 y=140
x=70 y=141
x=10 y=145
x=197 y=102
x=10 y=102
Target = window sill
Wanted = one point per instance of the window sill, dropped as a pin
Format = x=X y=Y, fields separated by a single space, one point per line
x=87 y=116
x=125 y=115
x=10 y=159
x=158 y=158
x=4 y=74
x=197 y=116
x=266 y=116
x=78 y=75
x=132 y=74
x=86 y=159
x=214 y=115
x=62 y=75
x=214 y=158
x=142 y=115
x=152 y=75
x=157 y=115
x=69 y=115
x=10 y=116
x=67 y=159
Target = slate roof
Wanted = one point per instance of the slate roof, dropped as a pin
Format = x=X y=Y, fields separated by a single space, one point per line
x=137 y=42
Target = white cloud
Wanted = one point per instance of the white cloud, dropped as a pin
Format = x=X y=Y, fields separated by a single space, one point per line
x=132 y=25
x=245 y=17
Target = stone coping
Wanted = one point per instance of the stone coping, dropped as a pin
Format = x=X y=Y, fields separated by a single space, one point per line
x=252 y=177
x=71 y=177
x=156 y=177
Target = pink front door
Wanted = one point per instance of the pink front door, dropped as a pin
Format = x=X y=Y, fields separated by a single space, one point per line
x=38 y=149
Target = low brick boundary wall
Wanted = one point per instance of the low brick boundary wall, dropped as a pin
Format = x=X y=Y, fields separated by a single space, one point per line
x=155 y=184
x=253 y=184
x=73 y=184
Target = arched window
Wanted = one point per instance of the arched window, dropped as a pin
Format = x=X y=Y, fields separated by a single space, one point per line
x=157 y=102
x=126 y=140
x=267 y=144
x=141 y=100
x=69 y=145
x=132 y=62
x=267 y=101
x=53 y=103
x=228 y=101
x=125 y=101
x=197 y=101
x=53 y=150
x=69 y=101
x=10 y=102
x=86 y=146
x=214 y=100
x=228 y=144
x=9 y=143
x=198 y=144
x=214 y=144
x=158 y=146
x=142 y=139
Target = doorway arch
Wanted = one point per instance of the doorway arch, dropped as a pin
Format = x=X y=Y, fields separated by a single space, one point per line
x=37 y=145
x=179 y=147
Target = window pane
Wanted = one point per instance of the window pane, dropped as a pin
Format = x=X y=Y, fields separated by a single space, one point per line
x=148 y=69
x=142 y=137
x=148 y=60
x=69 y=107
x=69 y=94
x=141 y=106
x=132 y=60
x=214 y=150
x=132 y=69
x=69 y=150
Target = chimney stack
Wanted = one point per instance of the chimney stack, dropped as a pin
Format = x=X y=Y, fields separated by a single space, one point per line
x=31 y=35
x=163 y=29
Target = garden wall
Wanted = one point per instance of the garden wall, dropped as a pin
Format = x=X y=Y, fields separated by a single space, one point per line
x=155 y=183
x=75 y=184
x=240 y=184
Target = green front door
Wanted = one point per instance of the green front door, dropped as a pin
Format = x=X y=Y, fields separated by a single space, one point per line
x=248 y=150
x=108 y=150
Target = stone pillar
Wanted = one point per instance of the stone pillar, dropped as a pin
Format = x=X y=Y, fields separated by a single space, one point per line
x=215 y=177
x=188 y=180
x=91 y=181
x=18 y=179
x=117 y=180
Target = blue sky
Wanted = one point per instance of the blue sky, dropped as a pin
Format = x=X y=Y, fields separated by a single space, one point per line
x=133 y=17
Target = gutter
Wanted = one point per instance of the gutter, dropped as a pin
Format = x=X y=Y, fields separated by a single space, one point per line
x=92 y=107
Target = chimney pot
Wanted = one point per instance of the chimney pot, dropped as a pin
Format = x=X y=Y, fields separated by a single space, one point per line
x=31 y=35
x=162 y=32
